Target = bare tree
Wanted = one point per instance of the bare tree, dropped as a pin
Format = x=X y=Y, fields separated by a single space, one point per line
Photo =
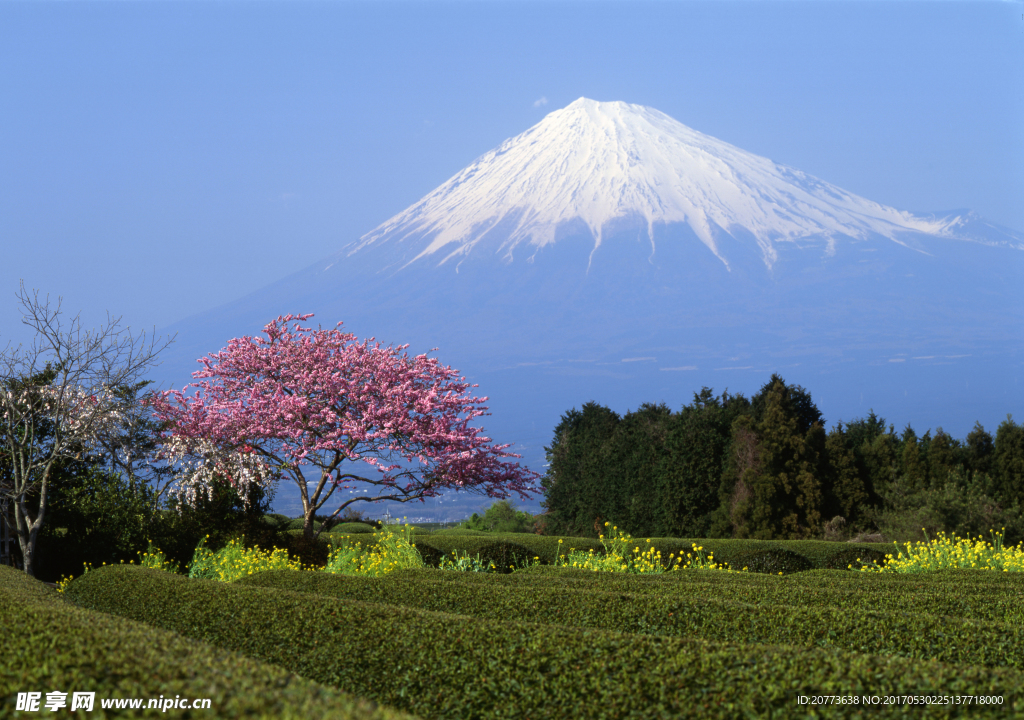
x=71 y=394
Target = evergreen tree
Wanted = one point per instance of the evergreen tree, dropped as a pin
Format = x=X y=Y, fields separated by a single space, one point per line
x=801 y=405
x=694 y=462
x=846 y=492
x=1009 y=461
x=913 y=465
x=784 y=494
x=875 y=453
x=574 y=482
x=979 y=450
x=630 y=489
x=942 y=452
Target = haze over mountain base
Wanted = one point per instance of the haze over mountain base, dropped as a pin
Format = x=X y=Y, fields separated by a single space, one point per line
x=926 y=339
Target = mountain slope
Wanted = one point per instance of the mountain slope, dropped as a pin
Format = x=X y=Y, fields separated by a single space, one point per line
x=596 y=166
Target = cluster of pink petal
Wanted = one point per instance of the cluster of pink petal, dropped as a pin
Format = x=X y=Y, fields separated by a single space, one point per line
x=318 y=398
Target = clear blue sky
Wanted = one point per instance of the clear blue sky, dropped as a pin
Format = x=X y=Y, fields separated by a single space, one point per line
x=159 y=159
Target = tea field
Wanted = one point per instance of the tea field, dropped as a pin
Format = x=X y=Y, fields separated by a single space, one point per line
x=800 y=633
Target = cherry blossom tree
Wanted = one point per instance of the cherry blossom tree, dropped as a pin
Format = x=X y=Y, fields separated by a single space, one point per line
x=69 y=395
x=299 y=402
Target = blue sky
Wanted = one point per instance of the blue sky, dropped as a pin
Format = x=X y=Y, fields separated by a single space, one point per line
x=159 y=159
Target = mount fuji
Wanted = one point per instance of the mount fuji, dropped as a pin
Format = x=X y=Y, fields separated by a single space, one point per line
x=611 y=253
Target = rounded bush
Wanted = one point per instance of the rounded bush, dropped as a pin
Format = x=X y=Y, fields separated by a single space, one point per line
x=431 y=555
x=846 y=557
x=352 y=528
x=505 y=555
x=460 y=531
x=299 y=524
x=772 y=561
x=308 y=552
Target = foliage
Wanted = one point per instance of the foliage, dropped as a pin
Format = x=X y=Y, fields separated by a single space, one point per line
x=61 y=399
x=392 y=550
x=574 y=484
x=766 y=468
x=1009 y=460
x=943 y=553
x=216 y=519
x=95 y=517
x=958 y=506
x=782 y=493
x=152 y=558
x=234 y=560
x=462 y=562
x=623 y=554
x=501 y=517
x=603 y=650
x=299 y=399
x=690 y=471
x=76 y=649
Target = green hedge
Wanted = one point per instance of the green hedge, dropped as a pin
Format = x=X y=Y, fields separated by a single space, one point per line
x=351 y=528
x=49 y=645
x=977 y=595
x=913 y=635
x=757 y=555
x=451 y=666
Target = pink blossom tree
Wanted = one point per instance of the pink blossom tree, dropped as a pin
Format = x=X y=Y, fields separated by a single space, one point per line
x=300 y=402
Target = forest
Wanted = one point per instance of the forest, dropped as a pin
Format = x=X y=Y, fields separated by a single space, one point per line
x=765 y=467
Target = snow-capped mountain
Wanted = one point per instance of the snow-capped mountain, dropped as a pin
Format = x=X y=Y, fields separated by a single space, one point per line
x=611 y=253
x=597 y=166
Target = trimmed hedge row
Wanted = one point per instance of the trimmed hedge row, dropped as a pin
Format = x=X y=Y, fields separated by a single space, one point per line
x=977 y=595
x=450 y=666
x=756 y=555
x=912 y=635
x=760 y=556
x=49 y=645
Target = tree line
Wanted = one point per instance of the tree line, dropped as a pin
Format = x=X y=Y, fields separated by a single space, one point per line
x=765 y=467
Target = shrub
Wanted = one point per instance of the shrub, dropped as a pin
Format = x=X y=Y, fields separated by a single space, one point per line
x=50 y=644
x=944 y=553
x=352 y=528
x=775 y=561
x=234 y=560
x=439 y=665
x=501 y=517
x=392 y=550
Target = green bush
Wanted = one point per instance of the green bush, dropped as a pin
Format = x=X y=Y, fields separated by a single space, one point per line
x=300 y=523
x=737 y=553
x=311 y=553
x=352 y=528
x=50 y=645
x=712 y=615
x=774 y=561
x=502 y=517
x=277 y=521
x=461 y=531
x=854 y=557
x=448 y=666
x=92 y=517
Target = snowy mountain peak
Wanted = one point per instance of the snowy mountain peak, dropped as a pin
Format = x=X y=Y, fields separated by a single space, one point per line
x=592 y=164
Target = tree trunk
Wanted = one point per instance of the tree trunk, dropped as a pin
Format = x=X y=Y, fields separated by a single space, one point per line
x=27 y=537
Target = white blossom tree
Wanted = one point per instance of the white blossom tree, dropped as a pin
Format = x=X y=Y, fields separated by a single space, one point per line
x=70 y=395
